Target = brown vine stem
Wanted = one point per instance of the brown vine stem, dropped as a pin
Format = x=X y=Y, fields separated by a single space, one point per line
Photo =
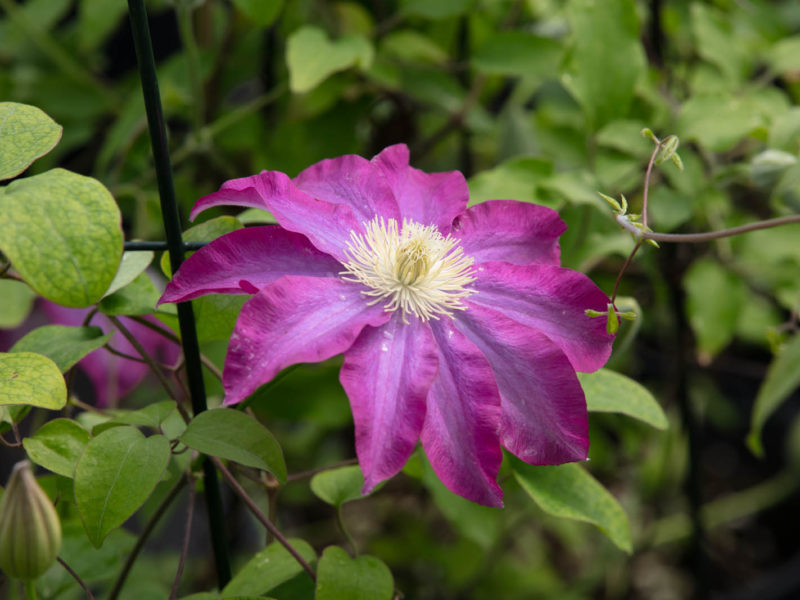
x=696 y=238
x=174 y=338
x=148 y=529
x=240 y=491
x=159 y=373
x=76 y=577
x=186 y=537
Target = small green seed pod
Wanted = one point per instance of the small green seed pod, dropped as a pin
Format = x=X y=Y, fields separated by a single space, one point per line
x=30 y=530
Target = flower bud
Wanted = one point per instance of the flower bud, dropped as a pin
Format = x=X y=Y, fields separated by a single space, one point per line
x=30 y=531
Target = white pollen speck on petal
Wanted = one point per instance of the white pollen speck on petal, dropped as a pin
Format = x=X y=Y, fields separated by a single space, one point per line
x=413 y=268
x=384 y=348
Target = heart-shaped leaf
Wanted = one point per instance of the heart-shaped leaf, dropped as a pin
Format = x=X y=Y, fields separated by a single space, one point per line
x=569 y=491
x=116 y=473
x=609 y=391
x=312 y=57
x=57 y=446
x=32 y=379
x=340 y=577
x=26 y=133
x=337 y=486
x=232 y=435
x=61 y=231
x=268 y=569
x=64 y=345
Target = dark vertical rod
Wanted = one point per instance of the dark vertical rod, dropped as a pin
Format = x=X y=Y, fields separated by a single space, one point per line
x=172 y=227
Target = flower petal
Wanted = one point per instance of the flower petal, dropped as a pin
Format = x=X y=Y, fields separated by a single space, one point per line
x=427 y=198
x=353 y=181
x=327 y=225
x=551 y=300
x=544 y=410
x=386 y=374
x=293 y=320
x=245 y=260
x=460 y=434
x=511 y=231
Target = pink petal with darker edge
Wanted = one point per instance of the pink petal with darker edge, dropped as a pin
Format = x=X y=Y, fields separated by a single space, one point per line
x=552 y=300
x=544 y=410
x=327 y=225
x=460 y=434
x=293 y=320
x=511 y=231
x=387 y=374
x=427 y=198
x=244 y=261
x=353 y=181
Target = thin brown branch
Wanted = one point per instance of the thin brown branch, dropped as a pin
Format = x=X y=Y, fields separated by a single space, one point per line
x=240 y=491
x=696 y=238
x=148 y=529
x=154 y=366
x=186 y=537
x=76 y=577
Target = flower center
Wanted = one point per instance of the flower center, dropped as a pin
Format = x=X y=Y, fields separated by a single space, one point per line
x=413 y=267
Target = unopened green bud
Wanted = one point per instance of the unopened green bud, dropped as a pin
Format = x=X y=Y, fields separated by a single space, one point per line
x=30 y=531
x=612 y=322
x=669 y=146
x=648 y=133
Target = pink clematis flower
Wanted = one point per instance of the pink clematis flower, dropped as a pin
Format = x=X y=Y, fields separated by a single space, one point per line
x=458 y=326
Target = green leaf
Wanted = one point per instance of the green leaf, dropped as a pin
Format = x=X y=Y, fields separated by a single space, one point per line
x=216 y=315
x=714 y=298
x=516 y=179
x=152 y=415
x=230 y=434
x=57 y=446
x=26 y=133
x=717 y=42
x=784 y=56
x=62 y=233
x=607 y=58
x=481 y=524
x=97 y=19
x=609 y=391
x=569 y=491
x=441 y=9
x=256 y=216
x=137 y=298
x=64 y=345
x=131 y=266
x=337 y=486
x=783 y=377
x=17 y=302
x=268 y=569
x=205 y=232
x=261 y=12
x=31 y=379
x=340 y=577
x=518 y=53
x=115 y=475
x=312 y=57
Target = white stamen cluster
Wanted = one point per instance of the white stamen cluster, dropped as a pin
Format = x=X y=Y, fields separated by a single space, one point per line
x=415 y=268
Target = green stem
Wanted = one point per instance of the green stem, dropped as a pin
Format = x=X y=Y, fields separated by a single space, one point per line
x=186 y=28
x=30 y=589
x=172 y=227
x=345 y=531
